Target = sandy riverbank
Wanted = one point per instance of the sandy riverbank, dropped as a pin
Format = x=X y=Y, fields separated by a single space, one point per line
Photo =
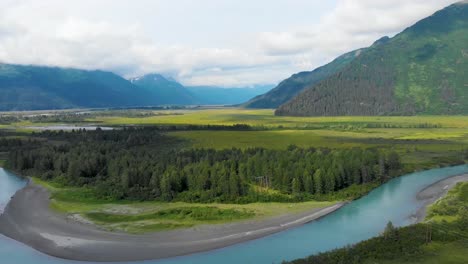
x=434 y=192
x=28 y=219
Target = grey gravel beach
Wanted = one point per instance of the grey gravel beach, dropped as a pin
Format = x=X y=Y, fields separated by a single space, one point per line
x=28 y=219
x=435 y=191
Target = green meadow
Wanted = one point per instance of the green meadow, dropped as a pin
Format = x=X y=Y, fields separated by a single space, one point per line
x=424 y=141
x=266 y=117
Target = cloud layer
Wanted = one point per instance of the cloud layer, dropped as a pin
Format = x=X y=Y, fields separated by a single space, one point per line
x=212 y=43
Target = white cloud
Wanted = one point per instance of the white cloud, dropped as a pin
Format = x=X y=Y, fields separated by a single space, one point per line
x=352 y=24
x=214 y=42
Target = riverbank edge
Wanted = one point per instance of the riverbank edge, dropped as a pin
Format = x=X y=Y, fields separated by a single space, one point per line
x=55 y=235
x=435 y=192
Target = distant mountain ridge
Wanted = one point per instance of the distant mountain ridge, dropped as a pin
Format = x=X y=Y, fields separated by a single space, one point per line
x=422 y=70
x=28 y=87
x=169 y=91
x=212 y=95
x=290 y=87
x=36 y=87
x=164 y=90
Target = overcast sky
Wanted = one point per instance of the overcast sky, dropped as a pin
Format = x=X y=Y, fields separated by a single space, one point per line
x=199 y=42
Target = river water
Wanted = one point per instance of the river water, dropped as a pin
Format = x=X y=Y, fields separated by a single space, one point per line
x=362 y=219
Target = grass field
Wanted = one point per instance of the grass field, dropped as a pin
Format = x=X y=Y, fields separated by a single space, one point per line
x=266 y=117
x=325 y=138
x=423 y=141
x=142 y=217
x=427 y=133
x=262 y=117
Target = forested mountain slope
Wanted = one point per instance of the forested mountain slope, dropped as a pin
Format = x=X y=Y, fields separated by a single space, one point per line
x=290 y=87
x=35 y=87
x=419 y=71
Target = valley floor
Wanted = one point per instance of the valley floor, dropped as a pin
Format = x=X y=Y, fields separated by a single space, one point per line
x=59 y=229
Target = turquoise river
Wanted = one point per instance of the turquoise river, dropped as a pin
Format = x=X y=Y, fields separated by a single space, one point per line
x=359 y=220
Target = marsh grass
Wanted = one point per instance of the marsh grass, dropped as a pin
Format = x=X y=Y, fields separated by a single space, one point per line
x=152 y=216
x=207 y=213
x=266 y=117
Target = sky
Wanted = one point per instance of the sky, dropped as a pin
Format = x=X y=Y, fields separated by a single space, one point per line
x=227 y=43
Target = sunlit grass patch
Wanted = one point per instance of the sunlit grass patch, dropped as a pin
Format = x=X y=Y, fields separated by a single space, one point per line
x=266 y=117
x=273 y=139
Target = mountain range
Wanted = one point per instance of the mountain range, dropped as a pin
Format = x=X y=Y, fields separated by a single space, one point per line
x=164 y=90
x=212 y=95
x=169 y=91
x=422 y=70
x=27 y=87
x=36 y=87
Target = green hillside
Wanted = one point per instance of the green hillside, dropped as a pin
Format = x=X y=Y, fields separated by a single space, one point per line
x=419 y=71
x=290 y=87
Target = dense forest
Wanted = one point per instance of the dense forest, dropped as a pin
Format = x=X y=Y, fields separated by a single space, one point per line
x=419 y=71
x=143 y=164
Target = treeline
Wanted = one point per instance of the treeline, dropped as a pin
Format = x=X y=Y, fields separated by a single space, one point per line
x=235 y=127
x=386 y=125
x=356 y=126
x=9 y=144
x=141 y=163
x=8 y=119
